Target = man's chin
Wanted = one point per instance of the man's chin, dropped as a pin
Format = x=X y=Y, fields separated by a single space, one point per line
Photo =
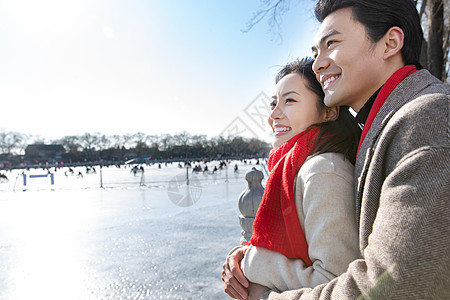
x=330 y=99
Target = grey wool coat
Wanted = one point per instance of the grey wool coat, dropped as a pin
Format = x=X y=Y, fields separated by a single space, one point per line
x=402 y=181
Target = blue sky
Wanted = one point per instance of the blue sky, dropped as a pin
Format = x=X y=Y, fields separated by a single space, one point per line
x=117 y=66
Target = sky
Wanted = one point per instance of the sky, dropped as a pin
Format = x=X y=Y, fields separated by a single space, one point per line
x=156 y=67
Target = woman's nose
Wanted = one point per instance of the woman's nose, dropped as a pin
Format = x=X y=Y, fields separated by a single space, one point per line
x=276 y=113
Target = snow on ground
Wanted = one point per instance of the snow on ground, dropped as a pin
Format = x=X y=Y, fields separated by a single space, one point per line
x=125 y=240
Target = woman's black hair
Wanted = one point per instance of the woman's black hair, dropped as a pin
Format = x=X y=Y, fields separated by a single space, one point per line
x=341 y=135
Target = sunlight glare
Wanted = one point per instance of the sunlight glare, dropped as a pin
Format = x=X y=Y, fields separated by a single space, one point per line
x=50 y=257
x=46 y=17
x=108 y=32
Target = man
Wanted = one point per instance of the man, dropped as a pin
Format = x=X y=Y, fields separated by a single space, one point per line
x=366 y=54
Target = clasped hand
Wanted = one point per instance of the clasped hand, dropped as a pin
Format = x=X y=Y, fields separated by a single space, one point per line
x=235 y=284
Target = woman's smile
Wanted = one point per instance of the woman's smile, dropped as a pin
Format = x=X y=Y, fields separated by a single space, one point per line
x=280 y=130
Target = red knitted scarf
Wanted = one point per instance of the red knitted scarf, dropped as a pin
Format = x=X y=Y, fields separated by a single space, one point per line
x=276 y=225
x=385 y=91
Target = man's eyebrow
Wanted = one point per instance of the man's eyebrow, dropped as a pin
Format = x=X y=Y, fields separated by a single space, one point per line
x=330 y=32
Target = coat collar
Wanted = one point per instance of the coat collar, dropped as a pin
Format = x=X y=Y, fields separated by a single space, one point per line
x=405 y=92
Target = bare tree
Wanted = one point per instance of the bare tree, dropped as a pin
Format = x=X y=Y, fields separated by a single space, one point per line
x=88 y=141
x=165 y=142
x=127 y=140
x=120 y=142
x=140 y=142
x=153 y=141
x=116 y=141
x=273 y=10
x=103 y=142
x=23 y=143
x=70 y=143
x=183 y=138
x=10 y=142
x=435 y=50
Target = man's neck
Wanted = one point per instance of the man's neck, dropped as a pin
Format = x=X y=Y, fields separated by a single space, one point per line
x=363 y=113
x=390 y=68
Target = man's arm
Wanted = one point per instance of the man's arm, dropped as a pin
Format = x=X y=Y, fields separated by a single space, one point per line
x=408 y=252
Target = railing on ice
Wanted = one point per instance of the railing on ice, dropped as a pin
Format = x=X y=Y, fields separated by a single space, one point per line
x=249 y=201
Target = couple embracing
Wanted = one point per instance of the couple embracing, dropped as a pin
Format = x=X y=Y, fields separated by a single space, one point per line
x=349 y=214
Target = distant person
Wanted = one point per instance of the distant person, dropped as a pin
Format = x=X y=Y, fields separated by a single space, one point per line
x=367 y=55
x=305 y=232
x=134 y=170
x=222 y=165
x=3 y=177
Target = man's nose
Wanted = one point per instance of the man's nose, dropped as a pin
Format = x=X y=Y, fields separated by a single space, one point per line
x=320 y=63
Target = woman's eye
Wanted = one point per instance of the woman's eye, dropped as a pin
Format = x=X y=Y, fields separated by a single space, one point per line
x=288 y=100
x=272 y=104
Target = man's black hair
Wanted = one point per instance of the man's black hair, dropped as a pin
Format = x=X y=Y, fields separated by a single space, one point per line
x=378 y=16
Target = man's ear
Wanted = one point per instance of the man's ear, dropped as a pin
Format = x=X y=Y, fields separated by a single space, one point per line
x=331 y=113
x=393 y=40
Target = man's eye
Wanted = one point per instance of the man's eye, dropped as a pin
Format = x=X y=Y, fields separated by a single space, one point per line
x=331 y=42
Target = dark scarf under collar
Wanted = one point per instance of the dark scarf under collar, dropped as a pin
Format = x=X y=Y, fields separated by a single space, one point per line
x=385 y=91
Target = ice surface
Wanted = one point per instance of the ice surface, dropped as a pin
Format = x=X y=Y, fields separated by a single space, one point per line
x=127 y=240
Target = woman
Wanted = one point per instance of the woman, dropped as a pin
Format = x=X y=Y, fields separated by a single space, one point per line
x=305 y=232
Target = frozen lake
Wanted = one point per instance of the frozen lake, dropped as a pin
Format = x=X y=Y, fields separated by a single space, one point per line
x=118 y=236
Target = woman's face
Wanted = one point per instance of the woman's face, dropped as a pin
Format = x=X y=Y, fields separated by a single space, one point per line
x=294 y=109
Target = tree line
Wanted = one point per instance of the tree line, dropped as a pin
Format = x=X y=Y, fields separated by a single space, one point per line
x=90 y=147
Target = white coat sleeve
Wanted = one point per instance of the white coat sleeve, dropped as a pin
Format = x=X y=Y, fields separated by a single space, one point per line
x=324 y=199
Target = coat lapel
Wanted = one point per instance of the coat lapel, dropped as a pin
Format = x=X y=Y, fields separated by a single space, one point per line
x=402 y=94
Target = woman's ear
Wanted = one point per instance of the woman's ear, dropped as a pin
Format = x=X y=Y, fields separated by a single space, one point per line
x=331 y=114
x=393 y=41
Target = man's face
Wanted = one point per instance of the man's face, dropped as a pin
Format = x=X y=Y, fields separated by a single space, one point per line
x=347 y=63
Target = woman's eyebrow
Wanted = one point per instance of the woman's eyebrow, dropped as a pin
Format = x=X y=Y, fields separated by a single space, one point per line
x=289 y=92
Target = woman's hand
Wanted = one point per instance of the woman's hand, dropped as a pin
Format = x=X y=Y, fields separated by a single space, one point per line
x=234 y=282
